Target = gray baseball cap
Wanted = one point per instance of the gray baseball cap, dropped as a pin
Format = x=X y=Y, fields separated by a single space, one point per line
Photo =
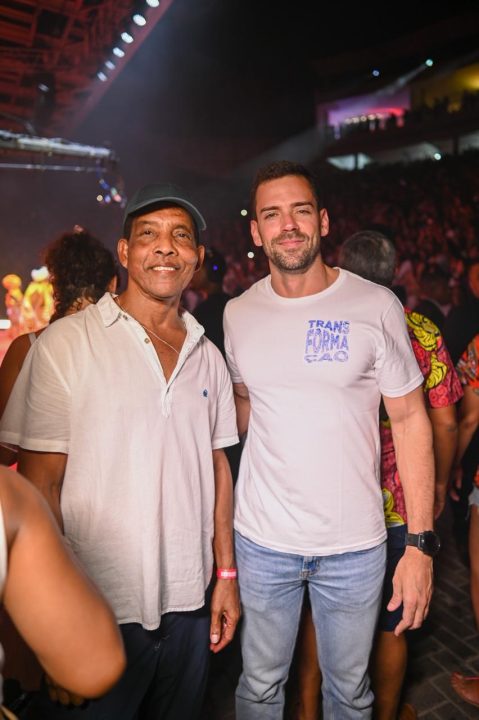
x=156 y=194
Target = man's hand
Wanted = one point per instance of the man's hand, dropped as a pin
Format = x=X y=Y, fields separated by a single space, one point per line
x=225 y=613
x=412 y=586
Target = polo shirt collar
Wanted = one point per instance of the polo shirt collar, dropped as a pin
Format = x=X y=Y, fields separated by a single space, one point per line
x=108 y=309
x=110 y=313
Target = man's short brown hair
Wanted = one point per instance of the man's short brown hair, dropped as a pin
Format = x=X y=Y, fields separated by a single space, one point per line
x=277 y=170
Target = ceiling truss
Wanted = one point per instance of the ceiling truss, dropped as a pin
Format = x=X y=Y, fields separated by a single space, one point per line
x=50 y=52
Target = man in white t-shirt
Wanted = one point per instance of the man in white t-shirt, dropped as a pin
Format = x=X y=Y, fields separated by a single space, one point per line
x=311 y=350
x=121 y=413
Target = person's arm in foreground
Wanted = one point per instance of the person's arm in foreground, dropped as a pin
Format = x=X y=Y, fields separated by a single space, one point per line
x=53 y=604
x=468 y=424
x=225 y=606
x=412 y=436
x=444 y=432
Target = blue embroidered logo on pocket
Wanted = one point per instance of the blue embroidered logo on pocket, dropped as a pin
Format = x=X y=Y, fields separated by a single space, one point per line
x=205 y=393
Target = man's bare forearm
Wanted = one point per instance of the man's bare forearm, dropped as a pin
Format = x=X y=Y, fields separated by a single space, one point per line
x=412 y=436
x=223 y=516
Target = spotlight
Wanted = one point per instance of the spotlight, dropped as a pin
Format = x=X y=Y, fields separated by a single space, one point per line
x=429 y=62
x=118 y=52
x=111 y=191
x=153 y=3
x=139 y=19
x=437 y=156
x=376 y=73
x=244 y=213
x=43 y=88
x=101 y=76
x=126 y=37
x=110 y=65
x=250 y=254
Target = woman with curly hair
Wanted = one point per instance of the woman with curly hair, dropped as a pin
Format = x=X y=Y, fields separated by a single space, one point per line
x=81 y=270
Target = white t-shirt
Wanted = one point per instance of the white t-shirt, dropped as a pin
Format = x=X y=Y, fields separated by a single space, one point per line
x=315 y=368
x=138 y=494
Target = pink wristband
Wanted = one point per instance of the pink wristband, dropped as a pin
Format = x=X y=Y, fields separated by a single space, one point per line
x=226 y=573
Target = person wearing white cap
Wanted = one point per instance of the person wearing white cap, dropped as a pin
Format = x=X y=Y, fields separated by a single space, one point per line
x=130 y=407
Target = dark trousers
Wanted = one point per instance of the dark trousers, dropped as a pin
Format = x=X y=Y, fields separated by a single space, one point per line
x=165 y=678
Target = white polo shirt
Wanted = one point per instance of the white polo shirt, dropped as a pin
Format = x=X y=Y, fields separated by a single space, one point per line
x=138 y=494
x=315 y=368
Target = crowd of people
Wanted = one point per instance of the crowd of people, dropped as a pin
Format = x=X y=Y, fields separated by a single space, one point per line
x=430 y=209
x=330 y=379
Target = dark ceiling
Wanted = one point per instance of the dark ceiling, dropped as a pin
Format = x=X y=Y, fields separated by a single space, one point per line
x=50 y=53
x=51 y=50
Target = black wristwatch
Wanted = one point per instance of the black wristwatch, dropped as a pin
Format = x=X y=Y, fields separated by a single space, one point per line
x=427 y=542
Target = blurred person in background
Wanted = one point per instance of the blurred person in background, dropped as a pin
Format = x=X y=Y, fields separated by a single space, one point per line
x=434 y=295
x=13 y=303
x=461 y=326
x=37 y=303
x=462 y=322
x=80 y=270
x=208 y=283
x=468 y=369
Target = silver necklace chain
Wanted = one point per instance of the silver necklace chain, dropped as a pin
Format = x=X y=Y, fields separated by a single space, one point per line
x=147 y=329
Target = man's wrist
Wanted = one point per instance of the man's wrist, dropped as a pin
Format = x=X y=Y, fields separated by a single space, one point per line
x=229 y=573
x=428 y=542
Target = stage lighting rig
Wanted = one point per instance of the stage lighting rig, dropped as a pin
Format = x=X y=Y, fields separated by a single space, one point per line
x=18 y=145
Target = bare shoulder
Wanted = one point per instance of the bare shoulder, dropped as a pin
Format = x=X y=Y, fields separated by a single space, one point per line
x=11 y=366
x=16 y=353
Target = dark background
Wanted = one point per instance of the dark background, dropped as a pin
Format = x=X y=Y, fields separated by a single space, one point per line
x=215 y=84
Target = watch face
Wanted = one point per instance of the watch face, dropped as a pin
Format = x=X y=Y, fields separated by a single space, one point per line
x=429 y=542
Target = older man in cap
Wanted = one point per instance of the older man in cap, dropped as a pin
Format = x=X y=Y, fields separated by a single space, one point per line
x=129 y=409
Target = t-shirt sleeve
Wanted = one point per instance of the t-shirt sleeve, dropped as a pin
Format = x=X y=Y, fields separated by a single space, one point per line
x=230 y=358
x=37 y=416
x=397 y=370
x=225 y=432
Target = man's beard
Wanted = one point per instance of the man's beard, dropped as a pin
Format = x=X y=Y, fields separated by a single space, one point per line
x=297 y=260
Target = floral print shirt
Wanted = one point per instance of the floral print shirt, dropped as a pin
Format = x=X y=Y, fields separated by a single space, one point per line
x=442 y=387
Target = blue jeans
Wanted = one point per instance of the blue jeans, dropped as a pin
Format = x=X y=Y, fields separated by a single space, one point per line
x=396 y=546
x=345 y=592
